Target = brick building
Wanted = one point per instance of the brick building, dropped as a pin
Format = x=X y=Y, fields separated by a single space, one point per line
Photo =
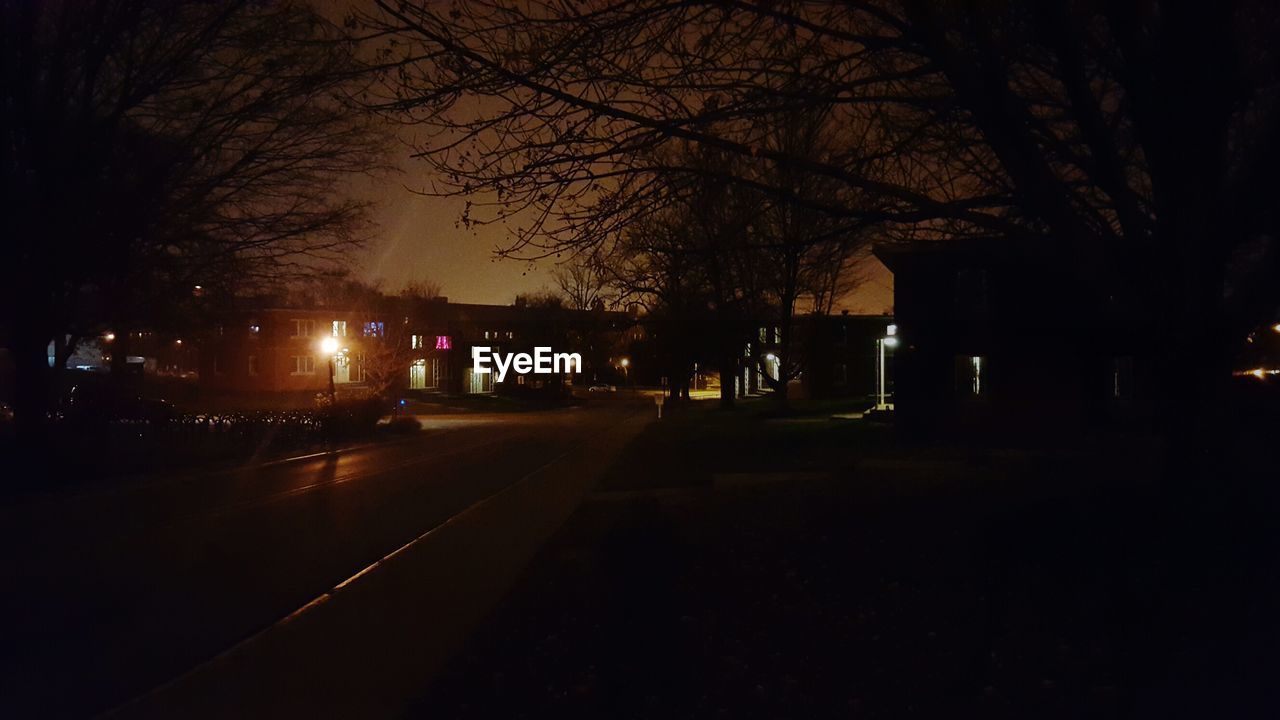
x=405 y=344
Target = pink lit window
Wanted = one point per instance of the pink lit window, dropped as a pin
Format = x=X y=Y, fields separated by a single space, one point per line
x=442 y=342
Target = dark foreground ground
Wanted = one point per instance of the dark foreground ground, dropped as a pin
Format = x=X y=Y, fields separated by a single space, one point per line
x=732 y=566
x=115 y=590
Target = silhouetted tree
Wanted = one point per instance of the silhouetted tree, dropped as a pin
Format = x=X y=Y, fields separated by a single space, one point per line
x=421 y=289
x=583 y=284
x=1128 y=142
x=652 y=269
x=151 y=146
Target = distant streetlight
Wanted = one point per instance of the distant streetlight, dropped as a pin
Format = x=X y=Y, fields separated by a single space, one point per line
x=329 y=346
x=109 y=336
x=626 y=370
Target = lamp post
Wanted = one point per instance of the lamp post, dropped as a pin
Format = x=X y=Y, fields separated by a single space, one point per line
x=626 y=371
x=329 y=346
x=889 y=340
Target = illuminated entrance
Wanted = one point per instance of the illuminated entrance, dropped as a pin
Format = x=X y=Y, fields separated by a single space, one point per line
x=341 y=368
x=424 y=374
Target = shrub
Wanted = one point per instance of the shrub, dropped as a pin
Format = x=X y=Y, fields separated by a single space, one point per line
x=350 y=418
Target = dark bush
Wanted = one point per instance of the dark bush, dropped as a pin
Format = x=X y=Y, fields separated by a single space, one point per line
x=351 y=418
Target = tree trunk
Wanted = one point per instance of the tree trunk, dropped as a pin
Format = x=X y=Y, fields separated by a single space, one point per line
x=33 y=381
x=728 y=377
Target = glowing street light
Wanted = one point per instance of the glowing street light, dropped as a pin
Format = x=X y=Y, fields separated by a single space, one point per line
x=889 y=340
x=329 y=346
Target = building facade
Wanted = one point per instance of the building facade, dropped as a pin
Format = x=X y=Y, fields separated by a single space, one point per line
x=994 y=336
x=398 y=345
x=843 y=354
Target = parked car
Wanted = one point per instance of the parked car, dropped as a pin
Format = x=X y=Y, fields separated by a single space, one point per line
x=603 y=388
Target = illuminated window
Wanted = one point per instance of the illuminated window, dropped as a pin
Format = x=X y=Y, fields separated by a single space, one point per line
x=443 y=342
x=374 y=329
x=303 y=328
x=416 y=342
x=304 y=365
x=971 y=380
x=478 y=383
x=360 y=375
x=486 y=334
x=509 y=335
x=339 y=328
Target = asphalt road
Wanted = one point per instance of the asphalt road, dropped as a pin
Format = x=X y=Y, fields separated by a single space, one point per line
x=108 y=594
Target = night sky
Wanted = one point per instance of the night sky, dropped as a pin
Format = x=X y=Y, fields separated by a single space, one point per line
x=417 y=238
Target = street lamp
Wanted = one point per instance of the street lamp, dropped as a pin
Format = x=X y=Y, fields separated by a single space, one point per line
x=890 y=340
x=626 y=370
x=329 y=346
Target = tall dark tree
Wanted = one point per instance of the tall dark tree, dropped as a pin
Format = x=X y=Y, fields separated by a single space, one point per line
x=150 y=146
x=653 y=268
x=1130 y=142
